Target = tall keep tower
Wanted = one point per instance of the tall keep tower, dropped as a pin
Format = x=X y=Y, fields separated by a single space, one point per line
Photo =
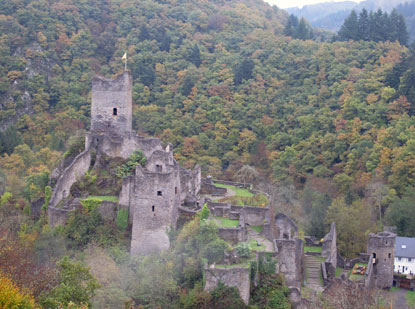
x=111 y=110
x=381 y=247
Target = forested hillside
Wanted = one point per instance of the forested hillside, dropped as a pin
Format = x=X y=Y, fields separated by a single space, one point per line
x=221 y=82
x=225 y=89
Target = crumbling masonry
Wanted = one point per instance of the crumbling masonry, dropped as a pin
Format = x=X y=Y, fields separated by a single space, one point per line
x=153 y=193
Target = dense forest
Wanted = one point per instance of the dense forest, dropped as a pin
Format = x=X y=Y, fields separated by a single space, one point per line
x=374 y=26
x=329 y=126
x=331 y=16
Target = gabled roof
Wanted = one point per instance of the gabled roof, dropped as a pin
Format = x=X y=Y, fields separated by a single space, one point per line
x=409 y=251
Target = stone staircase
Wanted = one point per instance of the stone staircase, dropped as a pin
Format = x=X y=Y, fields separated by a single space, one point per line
x=313 y=273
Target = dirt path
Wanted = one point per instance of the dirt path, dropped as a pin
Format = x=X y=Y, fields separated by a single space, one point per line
x=399 y=299
x=252 y=234
x=230 y=192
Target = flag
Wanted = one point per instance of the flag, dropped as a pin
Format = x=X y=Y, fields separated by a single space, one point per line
x=124 y=57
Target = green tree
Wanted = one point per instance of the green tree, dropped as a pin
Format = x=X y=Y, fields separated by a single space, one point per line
x=401 y=213
x=303 y=31
x=204 y=213
x=244 y=70
x=194 y=56
x=353 y=225
x=291 y=25
x=76 y=285
x=350 y=28
x=363 y=25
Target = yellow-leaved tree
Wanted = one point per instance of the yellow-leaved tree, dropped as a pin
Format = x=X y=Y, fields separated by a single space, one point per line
x=12 y=297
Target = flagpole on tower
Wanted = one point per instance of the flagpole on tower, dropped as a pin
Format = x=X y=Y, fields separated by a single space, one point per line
x=125 y=61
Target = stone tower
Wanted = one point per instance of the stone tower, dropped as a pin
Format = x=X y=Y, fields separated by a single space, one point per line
x=111 y=110
x=154 y=202
x=381 y=247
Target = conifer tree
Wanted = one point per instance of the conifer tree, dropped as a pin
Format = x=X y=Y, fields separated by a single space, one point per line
x=402 y=32
x=349 y=29
x=363 y=25
x=302 y=31
x=291 y=26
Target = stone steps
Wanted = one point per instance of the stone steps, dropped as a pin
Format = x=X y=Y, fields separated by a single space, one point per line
x=313 y=273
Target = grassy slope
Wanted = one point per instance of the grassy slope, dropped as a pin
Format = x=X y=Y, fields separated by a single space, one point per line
x=104 y=198
x=238 y=191
x=225 y=222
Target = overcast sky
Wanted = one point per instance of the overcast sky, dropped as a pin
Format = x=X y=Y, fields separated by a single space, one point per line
x=299 y=3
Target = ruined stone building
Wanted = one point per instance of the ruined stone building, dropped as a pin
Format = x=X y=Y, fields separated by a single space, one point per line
x=381 y=247
x=153 y=194
x=289 y=250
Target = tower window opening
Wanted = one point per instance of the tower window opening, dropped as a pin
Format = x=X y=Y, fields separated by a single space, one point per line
x=115 y=111
x=175 y=190
x=152 y=208
x=159 y=193
x=159 y=168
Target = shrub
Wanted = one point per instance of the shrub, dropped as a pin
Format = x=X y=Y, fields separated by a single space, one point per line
x=215 y=251
x=270 y=292
x=90 y=204
x=224 y=297
x=125 y=170
x=204 y=213
x=243 y=250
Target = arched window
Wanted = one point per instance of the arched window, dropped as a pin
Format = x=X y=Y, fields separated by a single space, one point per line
x=152 y=208
x=115 y=111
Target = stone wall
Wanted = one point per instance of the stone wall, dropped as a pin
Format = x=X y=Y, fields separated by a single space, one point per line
x=190 y=181
x=124 y=197
x=233 y=277
x=208 y=187
x=235 y=184
x=116 y=146
x=70 y=175
x=329 y=247
x=111 y=108
x=370 y=280
x=57 y=216
x=233 y=235
x=290 y=261
x=252 y=215
x=219 y=209
x=285 y=227
x=108 y=211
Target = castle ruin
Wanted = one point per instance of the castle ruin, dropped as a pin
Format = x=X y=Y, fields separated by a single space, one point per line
x=154 y=193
